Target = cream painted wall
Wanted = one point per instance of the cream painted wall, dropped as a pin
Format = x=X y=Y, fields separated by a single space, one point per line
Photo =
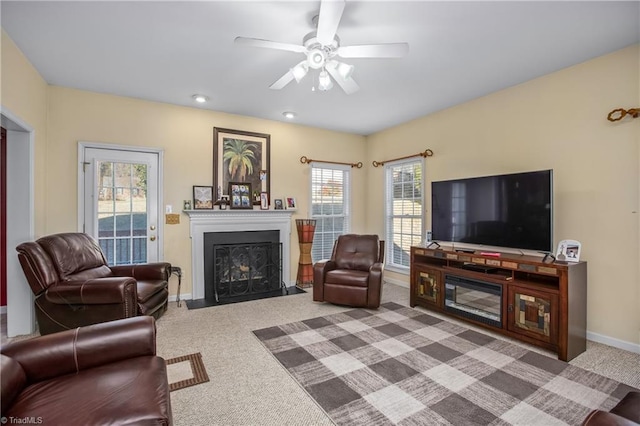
x=23 y=92
x=186 y=136
x=554 y=122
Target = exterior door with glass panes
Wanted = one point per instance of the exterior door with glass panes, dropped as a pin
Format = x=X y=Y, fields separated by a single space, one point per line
x=121 y=203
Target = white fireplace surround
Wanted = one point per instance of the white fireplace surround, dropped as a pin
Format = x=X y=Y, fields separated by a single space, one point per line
x=203 y=221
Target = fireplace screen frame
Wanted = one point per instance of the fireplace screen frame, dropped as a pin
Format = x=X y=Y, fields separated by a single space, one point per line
x=247 y=269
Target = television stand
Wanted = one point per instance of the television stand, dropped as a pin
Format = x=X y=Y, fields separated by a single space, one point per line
x=479 y=268
x=538 y=302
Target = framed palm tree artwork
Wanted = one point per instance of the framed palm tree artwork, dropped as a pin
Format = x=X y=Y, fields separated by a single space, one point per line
x=240 y=157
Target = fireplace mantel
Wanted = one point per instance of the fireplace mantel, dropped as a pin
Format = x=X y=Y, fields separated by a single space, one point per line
x=203 y=221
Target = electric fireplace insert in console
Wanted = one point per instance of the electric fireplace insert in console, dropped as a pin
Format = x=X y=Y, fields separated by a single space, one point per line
x=474 y=299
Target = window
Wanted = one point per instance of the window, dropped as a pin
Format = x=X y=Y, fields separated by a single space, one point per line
x=404 y=210
x=329 y=206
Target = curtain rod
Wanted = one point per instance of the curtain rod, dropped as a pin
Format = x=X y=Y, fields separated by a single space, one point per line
x=305 y=160
x=633 y=112
x=425 y=154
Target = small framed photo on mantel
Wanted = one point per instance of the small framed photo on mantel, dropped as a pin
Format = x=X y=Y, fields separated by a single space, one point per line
x=264 y=201
x=291 y=203
x=240 y=195
x=202 y=197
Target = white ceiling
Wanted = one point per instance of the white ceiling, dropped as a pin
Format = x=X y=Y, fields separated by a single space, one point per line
x=168 y=51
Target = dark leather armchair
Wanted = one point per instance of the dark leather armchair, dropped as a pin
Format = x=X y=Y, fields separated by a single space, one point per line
x=353 y=275
x=626 y=413
x=74 y=286
x=96 y=375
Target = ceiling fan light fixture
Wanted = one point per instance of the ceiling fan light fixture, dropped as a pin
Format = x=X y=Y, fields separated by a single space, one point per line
x=324 y=81
x=345 y=70
x=316 y=58
x=299 y=71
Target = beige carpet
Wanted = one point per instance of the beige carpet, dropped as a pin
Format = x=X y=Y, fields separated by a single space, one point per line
x=249 y=387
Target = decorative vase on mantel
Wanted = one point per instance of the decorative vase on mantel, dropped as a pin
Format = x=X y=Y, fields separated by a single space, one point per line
x=306 y=228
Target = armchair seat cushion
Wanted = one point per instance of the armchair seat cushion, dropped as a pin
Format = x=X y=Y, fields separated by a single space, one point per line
x=349 y=277
x=149 y=288
x=99 y=394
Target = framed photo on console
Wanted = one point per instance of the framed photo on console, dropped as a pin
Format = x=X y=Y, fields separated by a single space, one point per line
x=568 y=251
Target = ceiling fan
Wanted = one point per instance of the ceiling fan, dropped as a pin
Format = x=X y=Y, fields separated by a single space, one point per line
x=321 y=48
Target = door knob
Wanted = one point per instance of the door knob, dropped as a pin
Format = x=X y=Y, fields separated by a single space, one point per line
x=152 y=227
x=152 y=238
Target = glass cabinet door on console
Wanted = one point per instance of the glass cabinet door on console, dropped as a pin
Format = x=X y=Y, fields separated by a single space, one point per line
x=427 y=285
x=533 y=313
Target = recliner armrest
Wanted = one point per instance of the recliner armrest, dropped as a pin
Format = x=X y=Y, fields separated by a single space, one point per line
x=13 y=380
x=70 y=351
x=144 y=271
x=375 y=272
x=99 y=291
x=604 y=418
x=324 y=266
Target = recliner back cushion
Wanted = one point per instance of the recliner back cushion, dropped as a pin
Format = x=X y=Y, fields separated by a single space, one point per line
x=356 y=251
x=72 y=253
x=37 y=266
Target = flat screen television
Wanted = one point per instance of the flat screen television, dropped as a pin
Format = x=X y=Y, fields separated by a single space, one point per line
x=511 y=211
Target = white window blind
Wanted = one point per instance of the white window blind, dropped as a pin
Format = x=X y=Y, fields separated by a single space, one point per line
x=404 y=210
x=329 y=206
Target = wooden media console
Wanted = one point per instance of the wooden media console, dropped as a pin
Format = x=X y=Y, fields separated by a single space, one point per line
x=540 y=303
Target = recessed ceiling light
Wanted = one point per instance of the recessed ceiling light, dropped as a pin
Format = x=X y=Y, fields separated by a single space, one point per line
x=200 y=98
x=289 y=115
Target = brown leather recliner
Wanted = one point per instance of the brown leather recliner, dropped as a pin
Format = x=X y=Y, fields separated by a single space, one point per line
x=353 y=275
x=74 y=286
x=625 y=413
x=96 y=375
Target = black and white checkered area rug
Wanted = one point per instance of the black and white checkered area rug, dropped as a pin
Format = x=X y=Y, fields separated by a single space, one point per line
x=398 y=365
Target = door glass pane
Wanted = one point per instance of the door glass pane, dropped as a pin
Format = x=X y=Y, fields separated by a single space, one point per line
x=122 y=211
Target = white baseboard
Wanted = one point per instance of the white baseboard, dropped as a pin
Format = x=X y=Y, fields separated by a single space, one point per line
x=183 y=297
x=594 y=337
x=612 y=341
x=3 y=309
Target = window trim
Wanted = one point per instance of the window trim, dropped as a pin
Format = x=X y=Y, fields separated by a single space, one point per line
x=393 y=267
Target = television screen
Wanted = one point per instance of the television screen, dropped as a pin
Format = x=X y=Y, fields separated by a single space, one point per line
x=511 y=211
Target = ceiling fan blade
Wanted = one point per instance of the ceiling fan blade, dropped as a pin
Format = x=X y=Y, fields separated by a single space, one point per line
x=283 y=81
x=347 y=84
x=328 y=20
x=386 y=50
x=256 y=42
